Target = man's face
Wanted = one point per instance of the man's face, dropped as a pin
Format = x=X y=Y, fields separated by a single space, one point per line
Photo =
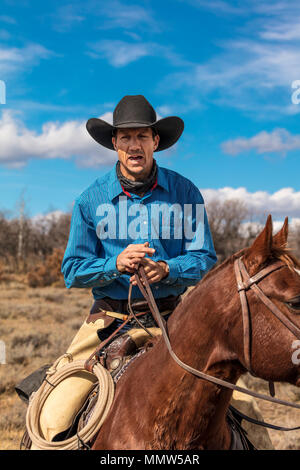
x=135 y=149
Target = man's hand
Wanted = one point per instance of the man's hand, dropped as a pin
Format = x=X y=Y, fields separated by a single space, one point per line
x=130 y=258
x=155 y=270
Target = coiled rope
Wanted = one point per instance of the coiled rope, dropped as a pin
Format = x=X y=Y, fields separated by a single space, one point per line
x=102 y=406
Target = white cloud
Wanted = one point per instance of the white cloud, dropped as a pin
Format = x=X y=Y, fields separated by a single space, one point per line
x=254 y=70
x=66 y=17
x=219 y=6
x=270 y=8
x=177 y=108
x=282 y=21
x=284 y=202
x=127 y=16
x=278 y=141
x=280 y=32
x=104 y=15
x=56 y=140
x=14 y=59
x=120 y=53
x=244 y=75
x=256 y=227
x=45 y=220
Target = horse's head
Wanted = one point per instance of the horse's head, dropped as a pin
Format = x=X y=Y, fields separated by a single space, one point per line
x=274 y=347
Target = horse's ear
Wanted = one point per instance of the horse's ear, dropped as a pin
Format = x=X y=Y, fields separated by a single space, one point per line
x=260 y=249
x=280 y=239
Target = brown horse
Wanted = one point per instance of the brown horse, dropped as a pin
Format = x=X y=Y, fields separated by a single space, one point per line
x=158 y=405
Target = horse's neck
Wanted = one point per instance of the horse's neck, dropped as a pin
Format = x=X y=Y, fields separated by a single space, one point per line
x=158 y=405
x=203 y=324
x=197 y=332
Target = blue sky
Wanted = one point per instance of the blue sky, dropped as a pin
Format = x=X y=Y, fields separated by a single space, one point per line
x=225 y=67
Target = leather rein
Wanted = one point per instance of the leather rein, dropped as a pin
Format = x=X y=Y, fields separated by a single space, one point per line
x=244 y=282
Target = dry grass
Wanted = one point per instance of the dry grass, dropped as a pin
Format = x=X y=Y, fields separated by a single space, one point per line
x=38 y=324
x=278 y=414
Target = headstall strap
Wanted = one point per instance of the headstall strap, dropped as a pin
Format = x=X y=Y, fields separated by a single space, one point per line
x=144 y=286
x=245 y=315
x=260 y=294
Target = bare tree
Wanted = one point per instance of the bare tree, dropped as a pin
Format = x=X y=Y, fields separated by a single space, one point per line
x=20 y=250
x=8 y=241
x=294 y=239
x=24 y=243
x=226 y=220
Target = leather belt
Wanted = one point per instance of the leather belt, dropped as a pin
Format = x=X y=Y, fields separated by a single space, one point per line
x=139 y=305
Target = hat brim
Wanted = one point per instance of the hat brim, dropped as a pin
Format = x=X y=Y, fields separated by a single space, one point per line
x=169 y=130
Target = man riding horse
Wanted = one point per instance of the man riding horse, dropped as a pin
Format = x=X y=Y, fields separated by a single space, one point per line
x=170 y=237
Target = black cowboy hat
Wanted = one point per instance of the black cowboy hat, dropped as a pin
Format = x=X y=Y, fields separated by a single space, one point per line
x=134 y=112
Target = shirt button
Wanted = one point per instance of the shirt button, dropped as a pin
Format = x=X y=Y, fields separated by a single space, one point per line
x=114 y=274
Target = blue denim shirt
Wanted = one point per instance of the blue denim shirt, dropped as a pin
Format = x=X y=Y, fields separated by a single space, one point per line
x=105 y=221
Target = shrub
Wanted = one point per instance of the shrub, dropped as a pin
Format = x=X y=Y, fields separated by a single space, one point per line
x=49 y=272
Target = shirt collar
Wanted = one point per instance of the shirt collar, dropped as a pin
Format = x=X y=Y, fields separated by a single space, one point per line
x=115 y=188
x=161 y=178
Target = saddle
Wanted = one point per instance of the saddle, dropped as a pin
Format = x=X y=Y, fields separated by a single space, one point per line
x=116 y=357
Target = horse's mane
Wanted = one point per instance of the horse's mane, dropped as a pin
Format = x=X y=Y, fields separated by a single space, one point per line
x=282 y=253
x=223 y=265
x=285 y=255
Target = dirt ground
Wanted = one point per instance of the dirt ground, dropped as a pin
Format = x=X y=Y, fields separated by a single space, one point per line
x=37 y=326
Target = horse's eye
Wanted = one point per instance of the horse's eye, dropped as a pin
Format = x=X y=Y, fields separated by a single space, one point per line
x=294 y=304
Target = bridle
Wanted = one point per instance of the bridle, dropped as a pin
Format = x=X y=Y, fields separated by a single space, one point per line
x=244 y=282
